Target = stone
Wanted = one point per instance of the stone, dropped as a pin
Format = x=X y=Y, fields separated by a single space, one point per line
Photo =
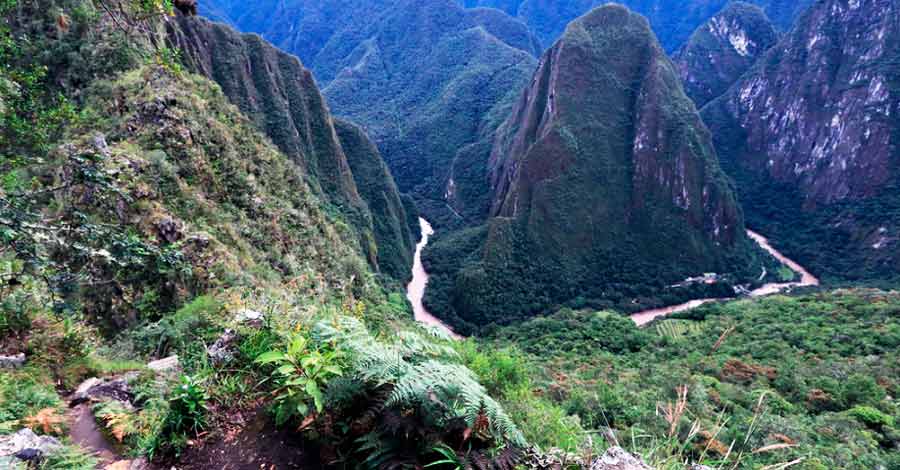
x=169 y=230
x=222 y=351
x=12 y=362
x=136 y=464
x=95 y=389
x=28 y=445
x=617 y=458
x=81 y=393
x=164 y=365
x=250 y=317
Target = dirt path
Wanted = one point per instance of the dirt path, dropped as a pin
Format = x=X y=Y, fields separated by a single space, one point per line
x=806 y=280
x=415 y=291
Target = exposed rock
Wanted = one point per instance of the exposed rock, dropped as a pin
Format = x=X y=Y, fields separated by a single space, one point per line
x=95 y=389
x=164 y=365
x=723 y=49
x=810 y=136
x=617 y=458
x=250 y=318
x=26 y=445
x=136 y=464
x=222 y=351
x=169 y=230
x=12 y=362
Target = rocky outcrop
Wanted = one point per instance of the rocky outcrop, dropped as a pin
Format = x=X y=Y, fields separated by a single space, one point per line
x=722 y=49
x=811 y=136
x=25 y=446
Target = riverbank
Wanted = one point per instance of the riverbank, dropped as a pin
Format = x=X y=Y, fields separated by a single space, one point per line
x=415 y=291
x=806 y=280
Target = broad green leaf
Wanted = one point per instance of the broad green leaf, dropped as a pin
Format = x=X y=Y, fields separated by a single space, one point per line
x=270 y=357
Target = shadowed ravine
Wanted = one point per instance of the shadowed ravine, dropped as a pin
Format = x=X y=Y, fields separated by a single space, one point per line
x=415 y=291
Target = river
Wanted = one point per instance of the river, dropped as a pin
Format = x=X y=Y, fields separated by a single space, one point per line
x=415 y=291
x=806 y=280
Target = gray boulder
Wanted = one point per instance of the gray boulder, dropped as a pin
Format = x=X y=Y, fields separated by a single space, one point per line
x=25 y=445
x=95 y=389
x=168 y=364
x=617 y=458
x=223 y=350
x=12 y=362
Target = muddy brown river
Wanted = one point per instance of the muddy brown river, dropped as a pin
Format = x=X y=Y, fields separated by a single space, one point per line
x=415 y=291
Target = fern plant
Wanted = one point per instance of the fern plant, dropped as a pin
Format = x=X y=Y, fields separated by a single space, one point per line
x=422 y=376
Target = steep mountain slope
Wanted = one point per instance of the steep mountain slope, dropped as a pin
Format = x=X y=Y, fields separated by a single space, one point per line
x=425 y=82
x=811 y=137
x=672 y=20
x=395 y=240
x=604 y=178
x=282 y=98
x=722 y=49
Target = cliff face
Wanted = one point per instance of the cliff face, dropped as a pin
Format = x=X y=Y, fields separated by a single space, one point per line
x=428 y=81
x=811 y=136
x=276 y=91
x=604 y=180
x=722 y=49
x=281 y=97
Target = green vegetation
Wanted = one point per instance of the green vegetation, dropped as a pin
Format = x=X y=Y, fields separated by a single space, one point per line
x=743 y=384
x=672 y=20
x=584 y=213
x=710 y=62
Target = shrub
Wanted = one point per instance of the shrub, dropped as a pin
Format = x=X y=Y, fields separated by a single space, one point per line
x=860 y=389
x=187 y=407
x=872 y=417
x=301 y=374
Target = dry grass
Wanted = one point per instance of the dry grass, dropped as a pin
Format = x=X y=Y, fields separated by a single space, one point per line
x=672 y=412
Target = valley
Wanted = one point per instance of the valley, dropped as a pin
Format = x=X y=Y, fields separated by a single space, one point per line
x=449 y=235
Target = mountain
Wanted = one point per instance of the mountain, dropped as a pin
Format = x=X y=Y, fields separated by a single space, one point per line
x=811 y=134
x=427 y=80
x=424 y=81
x=604 y=179
x=722 y=49
x=281 y=96
x=394 y=239
x=672 y=20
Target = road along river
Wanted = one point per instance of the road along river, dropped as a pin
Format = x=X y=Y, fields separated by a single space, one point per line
x=806 y=280
x=415 y=291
